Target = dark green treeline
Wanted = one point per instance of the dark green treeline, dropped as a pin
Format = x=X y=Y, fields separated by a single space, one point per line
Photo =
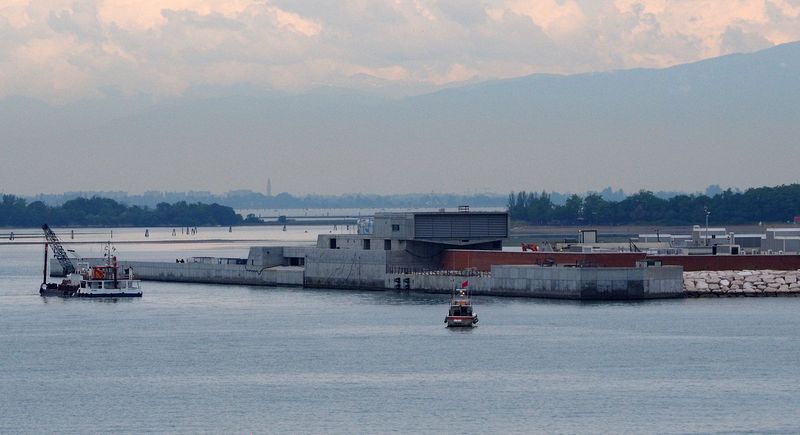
x=16 y=212
x=763 y=204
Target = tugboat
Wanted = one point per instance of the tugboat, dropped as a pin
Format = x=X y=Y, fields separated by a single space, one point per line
x=102 y=281
x=106 y=281
x=460 y=313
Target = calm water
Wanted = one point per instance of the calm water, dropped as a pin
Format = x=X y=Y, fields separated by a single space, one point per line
x=204 y=358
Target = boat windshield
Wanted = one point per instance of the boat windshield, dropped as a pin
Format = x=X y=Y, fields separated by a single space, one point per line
x=457 y=310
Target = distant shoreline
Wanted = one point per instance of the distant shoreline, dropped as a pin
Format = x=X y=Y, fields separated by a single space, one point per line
x=134 y=242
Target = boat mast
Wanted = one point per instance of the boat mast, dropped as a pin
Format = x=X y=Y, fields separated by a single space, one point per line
x=44 y=272
x=114 y=265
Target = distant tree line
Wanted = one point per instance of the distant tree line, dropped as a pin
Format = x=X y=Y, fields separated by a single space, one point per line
x=96 y=211
x=241 y=199
x=246 y=199
x=763 y=204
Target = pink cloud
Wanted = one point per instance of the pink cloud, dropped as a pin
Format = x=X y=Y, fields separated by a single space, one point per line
x=165 y=46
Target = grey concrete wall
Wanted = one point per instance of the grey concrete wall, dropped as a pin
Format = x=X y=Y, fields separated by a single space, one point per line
x=605 y=283
x=440 y=283
x=266 y=256
x=215 y=273
x=356 y=242
x=663 y=282
x=199 y=272
x=207 y=273
x=557 y=282
x=345 y=268
x=354 y=269
x=287 y=275
x=343 y=241
x=382 y=227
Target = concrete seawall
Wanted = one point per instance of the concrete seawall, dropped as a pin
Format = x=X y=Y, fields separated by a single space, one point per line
x=360 y=270
x=205 y=273
x=216 y=273
x=558 y=282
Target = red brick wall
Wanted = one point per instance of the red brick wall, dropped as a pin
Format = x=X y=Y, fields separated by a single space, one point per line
x=483 y=260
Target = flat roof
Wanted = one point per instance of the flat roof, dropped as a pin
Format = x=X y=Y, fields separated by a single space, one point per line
x=444 y=213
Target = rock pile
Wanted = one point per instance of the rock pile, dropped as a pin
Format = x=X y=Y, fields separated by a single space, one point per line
x=742 y=283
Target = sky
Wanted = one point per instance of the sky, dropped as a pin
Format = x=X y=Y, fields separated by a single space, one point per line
x=61 y=50
x=68 y=52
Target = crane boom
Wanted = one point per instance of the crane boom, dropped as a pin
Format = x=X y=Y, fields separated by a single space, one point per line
x=58 y=250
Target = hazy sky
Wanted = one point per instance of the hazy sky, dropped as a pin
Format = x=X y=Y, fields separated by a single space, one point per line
x=113 y=72
x=59 y=50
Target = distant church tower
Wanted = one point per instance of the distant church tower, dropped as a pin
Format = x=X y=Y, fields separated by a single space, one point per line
x=269 y=187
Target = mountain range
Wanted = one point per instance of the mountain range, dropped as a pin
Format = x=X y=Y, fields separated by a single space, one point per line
x=732 y=120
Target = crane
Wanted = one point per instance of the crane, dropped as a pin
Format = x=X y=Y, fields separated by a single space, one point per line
x=58 y=250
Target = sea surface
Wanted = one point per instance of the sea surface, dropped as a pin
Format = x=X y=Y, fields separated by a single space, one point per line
x=191 y=358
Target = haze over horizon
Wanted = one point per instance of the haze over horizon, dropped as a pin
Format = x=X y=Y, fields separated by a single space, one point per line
x=397 y=96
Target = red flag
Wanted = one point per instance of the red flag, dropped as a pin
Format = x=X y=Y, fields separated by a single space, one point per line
x=464 y=284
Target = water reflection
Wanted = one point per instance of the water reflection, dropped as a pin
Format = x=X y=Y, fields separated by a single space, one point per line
x=109 y=300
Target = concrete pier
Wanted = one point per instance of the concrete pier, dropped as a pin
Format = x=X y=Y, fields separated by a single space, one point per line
x=405 y=251
x=612 y=283
x=369 y=273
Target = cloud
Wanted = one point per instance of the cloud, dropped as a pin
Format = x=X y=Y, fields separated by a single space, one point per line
x=736 y=40
x=65 y=49
x=558 y=18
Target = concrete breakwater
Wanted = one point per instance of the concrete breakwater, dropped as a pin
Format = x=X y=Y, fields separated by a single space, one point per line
x=609 y=283
x=405 y=251
x=522 y=281
x=733 y=283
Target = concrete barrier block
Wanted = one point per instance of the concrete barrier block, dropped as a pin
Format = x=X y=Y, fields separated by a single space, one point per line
x=604 y=285
x=588 y=274
x=613 y=274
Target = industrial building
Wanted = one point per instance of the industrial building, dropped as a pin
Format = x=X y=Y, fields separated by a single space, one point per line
x=781 y=240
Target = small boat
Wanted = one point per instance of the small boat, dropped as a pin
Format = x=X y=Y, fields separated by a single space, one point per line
x=102 y=281
x=99 y=281
x=460 y=313
x=106 y=281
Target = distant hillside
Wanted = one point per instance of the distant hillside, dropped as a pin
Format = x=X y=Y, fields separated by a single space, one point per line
x=731 y=120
